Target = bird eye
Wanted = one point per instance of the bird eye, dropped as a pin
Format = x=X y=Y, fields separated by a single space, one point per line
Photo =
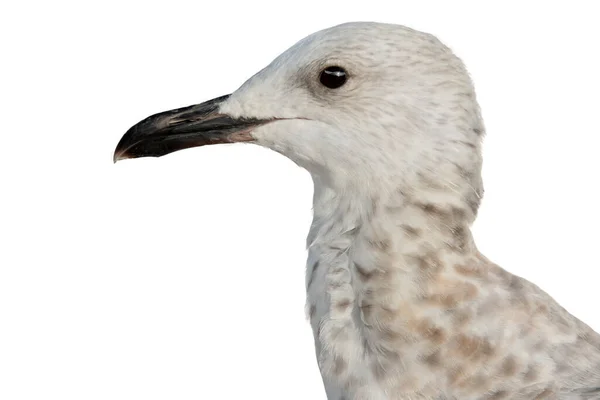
x=333 y=77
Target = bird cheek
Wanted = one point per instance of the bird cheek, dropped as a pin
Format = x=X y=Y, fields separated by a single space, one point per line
x=289 y=138
x=268 y=135
x=276 y=131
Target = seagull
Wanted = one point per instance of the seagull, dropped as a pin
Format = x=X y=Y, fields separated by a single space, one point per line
x=401 y=302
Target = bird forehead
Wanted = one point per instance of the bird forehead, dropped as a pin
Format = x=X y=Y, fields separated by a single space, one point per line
x=367 y=40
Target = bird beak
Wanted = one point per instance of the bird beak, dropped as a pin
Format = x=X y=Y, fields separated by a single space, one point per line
x=179 y=129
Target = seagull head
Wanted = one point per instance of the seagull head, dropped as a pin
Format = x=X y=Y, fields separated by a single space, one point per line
x=361 y=106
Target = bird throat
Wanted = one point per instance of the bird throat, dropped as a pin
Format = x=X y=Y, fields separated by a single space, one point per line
x=369 y=265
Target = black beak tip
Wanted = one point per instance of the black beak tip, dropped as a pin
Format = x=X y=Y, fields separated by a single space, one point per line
x=121 y=151
x=117 y=156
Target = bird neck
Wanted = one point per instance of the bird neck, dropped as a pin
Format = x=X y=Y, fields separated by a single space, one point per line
x=370 y=254
x=399 y=221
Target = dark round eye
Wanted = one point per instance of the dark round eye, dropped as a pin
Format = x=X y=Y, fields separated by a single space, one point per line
x=333 y=77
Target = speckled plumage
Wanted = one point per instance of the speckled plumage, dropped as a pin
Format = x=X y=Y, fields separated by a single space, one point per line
x=402 y=304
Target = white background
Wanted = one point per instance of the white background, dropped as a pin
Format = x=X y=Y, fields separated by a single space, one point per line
x=183 y=277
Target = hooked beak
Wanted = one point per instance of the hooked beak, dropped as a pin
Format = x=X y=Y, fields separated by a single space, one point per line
x=179 y=129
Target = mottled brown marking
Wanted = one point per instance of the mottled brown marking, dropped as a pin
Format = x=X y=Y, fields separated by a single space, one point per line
x=382 y=245
x=515 y=283
x=456 y=293
x=364 y=274
x=432 y=209
x=460 y=232
x=541 y=309
x=460 y=318
x=430 y=331
x=509 y=366
x=343 y=305
x=544 y=394
x=473 y=346
x=532 y=374
x=454 y=375
x=472 y=270
x=458 y=213
x=467 y=345
x=464 y=143
x=429 y=263
x=411 y=231
x=460 y=238
x=487 y=349
x=498 y=394
x=433 y=360
x=339 y=366
x=448 y=216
